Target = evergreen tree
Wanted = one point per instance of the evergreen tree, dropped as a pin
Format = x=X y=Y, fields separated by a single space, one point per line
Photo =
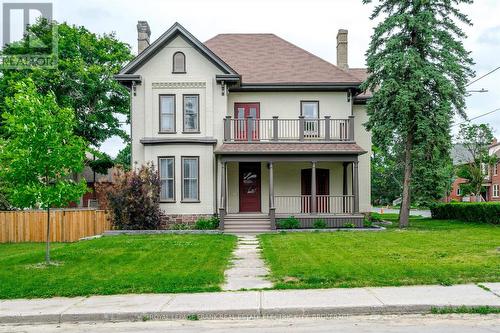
x=418 y=69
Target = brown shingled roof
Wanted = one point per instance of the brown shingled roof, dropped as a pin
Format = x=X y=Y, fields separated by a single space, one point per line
x=290 y=148
x=267 y=58
x=362 y=75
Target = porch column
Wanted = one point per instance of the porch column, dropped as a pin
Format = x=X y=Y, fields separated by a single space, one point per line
x=355 y=188
x=345 y=190
x=272 y=209
x=313 y=188
x=222 y=207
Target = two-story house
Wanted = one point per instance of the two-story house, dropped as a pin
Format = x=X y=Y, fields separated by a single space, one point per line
x=250 y=127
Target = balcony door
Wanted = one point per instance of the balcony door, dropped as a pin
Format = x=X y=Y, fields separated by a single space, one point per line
x=243 y=115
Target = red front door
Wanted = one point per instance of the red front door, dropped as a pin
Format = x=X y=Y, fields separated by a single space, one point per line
x=322 y=190
x=249 y=187
x=242 y=126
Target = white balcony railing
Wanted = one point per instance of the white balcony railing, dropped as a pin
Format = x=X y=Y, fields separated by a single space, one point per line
x=301 y=129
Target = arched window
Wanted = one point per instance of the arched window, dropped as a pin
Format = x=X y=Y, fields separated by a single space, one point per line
x=179 y=63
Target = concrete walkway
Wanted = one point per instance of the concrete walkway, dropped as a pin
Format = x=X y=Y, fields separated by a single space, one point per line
x=421 y=212
x=249 y=304
x=247 y=270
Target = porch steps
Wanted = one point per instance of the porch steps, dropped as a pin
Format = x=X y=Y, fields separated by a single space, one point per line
x=246 y=223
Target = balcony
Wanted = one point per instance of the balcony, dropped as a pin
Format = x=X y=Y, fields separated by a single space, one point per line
x=289 y=130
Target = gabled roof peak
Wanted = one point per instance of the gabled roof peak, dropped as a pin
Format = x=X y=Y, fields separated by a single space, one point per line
x=175 y=30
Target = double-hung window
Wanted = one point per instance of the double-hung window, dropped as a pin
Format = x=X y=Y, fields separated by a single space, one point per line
x=191 y=113
x=190 y=181
x=310 y=111
x=496 y=190
x=167 y=172
x=167 y=113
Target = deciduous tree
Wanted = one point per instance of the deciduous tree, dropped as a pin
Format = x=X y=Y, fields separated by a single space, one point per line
x=41 y=152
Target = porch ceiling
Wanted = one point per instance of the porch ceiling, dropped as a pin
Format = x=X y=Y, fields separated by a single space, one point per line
x=290 y=149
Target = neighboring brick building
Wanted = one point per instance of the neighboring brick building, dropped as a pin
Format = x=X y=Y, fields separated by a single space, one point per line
x=491 y=181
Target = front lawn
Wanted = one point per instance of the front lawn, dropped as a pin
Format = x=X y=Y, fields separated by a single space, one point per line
x=429 y=252
x=116 y=265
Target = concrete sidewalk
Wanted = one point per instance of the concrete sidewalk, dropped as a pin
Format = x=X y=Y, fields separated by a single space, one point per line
x=244 y=304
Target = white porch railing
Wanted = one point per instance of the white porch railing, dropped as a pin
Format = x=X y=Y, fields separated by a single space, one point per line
x=325 y=204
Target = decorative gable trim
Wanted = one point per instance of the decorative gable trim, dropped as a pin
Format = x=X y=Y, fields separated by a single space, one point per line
x=174 y=31
x=178 y=85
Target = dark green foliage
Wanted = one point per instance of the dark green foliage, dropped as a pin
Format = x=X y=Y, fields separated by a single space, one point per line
x=418 y=69
x=319 y=224
x=82 y=80
x=349 y=225
x=367 y=223
x=134 y=199
x=387 y=177
x=288 y=223
x=101 y=163
x=124 y=157
x=487 y=212
x=211 y=223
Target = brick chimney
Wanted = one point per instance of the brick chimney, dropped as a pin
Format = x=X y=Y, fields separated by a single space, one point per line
x=143 y=34
x=342 y=49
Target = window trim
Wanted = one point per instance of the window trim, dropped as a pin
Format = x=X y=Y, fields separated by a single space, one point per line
x=173 y=63
x=308 y=101
x=173 y=179
x=493 y=191
x=183 y=200
x=495 y=168
x=184 y=114
x=174 y=131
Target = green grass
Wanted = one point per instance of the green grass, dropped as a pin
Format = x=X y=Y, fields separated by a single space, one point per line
x=116 y=265
x=484 y=310
x=428 y=252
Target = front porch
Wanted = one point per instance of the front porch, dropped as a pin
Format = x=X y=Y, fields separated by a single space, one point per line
x=308 y=187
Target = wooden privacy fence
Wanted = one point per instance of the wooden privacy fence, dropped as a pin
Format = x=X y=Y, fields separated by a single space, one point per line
x=65 y=225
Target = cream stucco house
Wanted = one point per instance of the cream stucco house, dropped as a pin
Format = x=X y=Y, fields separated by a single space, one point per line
x=250 y=127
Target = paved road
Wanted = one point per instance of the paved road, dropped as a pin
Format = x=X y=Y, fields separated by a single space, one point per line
x=358 y=324
x=424 y=213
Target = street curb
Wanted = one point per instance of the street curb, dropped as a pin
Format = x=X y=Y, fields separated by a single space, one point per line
x=225 y=314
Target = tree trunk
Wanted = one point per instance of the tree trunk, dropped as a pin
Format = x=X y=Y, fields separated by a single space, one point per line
x=404 y=212
x=47 y=247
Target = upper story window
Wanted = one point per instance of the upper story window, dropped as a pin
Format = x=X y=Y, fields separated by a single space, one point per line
x=167 y=113
x=496 y=190
x=310 y=111
x=191 y=113
x=495 y=169
x=179 y=63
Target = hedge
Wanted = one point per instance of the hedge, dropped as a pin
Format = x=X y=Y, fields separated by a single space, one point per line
x=486 y=212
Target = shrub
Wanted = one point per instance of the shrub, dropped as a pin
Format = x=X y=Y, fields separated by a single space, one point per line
x=133 y=199
x=367 y=223
x=180 y=226
x=289 y=223
x=486 y=212
x=203 y=223
x=349 y=225
x=319 y=224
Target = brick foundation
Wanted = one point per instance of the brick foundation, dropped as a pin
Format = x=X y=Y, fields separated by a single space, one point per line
x=190 y=219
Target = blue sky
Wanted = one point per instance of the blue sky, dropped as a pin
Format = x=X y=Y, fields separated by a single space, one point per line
x=311 y=24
